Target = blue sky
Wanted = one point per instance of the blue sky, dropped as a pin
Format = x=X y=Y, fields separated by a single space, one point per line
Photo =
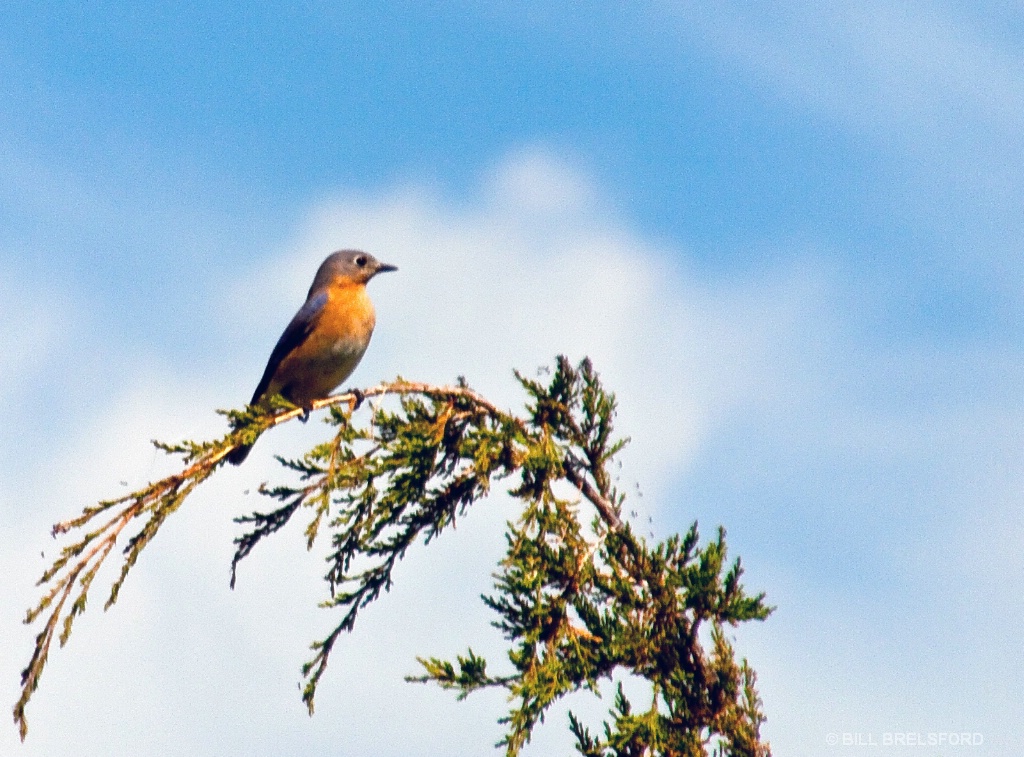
x=789 y=236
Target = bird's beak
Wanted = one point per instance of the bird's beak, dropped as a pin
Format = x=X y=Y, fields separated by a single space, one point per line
x=385 y=267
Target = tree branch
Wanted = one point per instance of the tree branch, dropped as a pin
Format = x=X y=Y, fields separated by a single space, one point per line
x=159 y=500
x=608 y=511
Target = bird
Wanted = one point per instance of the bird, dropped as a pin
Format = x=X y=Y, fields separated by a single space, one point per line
x=326 y=338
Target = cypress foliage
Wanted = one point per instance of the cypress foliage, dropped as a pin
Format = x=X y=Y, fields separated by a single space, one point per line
x=579 y=596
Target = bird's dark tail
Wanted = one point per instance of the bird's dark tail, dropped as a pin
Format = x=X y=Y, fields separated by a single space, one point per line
x=238 y=454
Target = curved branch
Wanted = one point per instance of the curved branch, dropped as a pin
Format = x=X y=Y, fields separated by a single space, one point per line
x=79 y=562
x=607 y=510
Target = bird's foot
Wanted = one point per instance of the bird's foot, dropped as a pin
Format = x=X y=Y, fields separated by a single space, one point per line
x=356 y=401
x=305 y=415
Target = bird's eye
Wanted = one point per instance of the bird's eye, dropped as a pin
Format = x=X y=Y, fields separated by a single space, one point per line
x=361 y=261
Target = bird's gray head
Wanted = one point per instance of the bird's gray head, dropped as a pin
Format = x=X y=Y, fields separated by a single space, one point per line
x=354 y=265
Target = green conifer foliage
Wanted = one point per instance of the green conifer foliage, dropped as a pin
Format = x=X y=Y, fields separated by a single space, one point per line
x=579 y=596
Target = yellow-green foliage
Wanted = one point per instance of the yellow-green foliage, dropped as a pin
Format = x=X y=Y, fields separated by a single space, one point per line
x=579 y=596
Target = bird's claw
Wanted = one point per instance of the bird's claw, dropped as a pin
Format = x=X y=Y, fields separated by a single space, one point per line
x=356 y=401
x=305 y=415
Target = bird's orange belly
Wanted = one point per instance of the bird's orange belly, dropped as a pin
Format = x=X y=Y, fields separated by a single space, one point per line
x=318 y=374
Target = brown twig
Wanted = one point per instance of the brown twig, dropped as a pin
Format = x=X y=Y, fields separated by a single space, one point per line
x=604 y=506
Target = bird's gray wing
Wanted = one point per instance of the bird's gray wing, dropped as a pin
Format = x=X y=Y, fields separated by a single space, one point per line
x=295 y=333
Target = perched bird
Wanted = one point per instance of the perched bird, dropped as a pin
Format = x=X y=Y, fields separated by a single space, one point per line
x=327 y=337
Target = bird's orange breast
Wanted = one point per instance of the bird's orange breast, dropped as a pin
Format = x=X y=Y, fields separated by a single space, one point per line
x=332 y=350
x=348 y=316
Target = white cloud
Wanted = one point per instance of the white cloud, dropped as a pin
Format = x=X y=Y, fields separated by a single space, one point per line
x=927 y=97
x=537 y=268
x=916 y=73
x=33 y=318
